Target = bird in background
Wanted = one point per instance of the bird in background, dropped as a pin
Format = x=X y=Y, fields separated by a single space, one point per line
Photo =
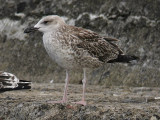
x=76 y=48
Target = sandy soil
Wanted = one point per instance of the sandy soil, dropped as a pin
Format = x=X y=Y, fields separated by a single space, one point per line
x=114 y=103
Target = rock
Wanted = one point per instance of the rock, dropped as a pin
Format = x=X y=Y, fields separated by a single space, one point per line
x=136 y=23
x=33 y=104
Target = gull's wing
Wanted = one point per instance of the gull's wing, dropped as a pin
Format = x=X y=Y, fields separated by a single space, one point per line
x=97 y=46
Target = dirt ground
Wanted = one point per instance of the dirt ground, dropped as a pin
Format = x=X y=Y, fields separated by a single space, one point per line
x=114 y=103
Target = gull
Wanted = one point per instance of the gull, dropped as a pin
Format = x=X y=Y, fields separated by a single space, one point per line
x=76 y=48
x=9 y=81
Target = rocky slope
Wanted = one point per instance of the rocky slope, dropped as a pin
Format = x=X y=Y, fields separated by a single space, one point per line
x=136 y=23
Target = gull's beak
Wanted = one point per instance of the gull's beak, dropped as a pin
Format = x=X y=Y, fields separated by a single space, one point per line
x=30 y=29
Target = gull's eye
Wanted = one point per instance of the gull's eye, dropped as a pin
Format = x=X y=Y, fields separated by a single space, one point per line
x=45 y=22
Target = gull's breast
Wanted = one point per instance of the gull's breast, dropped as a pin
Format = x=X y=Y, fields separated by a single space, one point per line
x=59 y=51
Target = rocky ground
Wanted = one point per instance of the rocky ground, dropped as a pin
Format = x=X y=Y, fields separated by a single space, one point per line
x=114 y=103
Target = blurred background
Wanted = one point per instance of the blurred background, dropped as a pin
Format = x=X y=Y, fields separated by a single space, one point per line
x=135 y=22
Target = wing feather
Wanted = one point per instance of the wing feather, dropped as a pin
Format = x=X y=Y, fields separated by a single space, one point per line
x=95 y=45
x=110 y=39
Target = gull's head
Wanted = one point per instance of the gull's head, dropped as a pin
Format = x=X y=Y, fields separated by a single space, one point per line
x=47 y=24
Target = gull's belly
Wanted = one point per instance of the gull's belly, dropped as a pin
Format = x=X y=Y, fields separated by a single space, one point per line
x=62 y=58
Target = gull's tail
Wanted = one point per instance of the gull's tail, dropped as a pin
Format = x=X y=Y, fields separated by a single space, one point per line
x=124 y=59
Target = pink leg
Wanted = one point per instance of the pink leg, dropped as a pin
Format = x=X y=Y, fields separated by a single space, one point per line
x=83 y=102
x=64 y=100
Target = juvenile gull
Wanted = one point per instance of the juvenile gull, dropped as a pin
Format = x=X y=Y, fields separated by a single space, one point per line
x=75 y=48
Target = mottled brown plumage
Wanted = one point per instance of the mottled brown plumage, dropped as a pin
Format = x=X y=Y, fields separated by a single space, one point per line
x=97 y=49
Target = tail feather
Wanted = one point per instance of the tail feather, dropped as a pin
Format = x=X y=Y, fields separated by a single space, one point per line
x=124 y=59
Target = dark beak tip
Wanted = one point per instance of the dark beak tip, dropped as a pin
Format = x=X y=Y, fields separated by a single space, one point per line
x=30 y=29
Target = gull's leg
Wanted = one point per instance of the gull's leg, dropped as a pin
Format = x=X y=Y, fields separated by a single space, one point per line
x=64 y=100
x=83 y=102
x=65 y=88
